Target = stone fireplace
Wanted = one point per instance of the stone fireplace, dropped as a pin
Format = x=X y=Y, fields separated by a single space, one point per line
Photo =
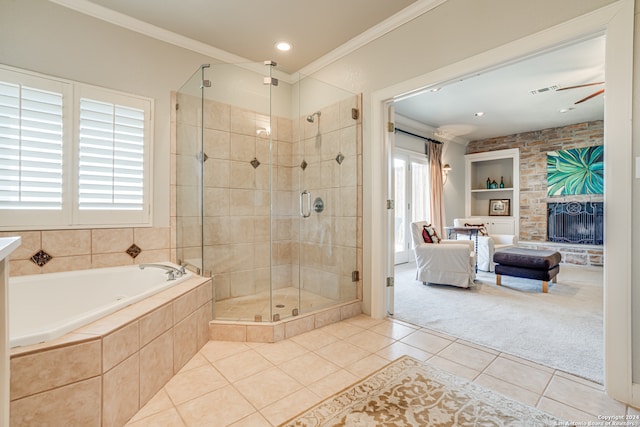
x=534 y=200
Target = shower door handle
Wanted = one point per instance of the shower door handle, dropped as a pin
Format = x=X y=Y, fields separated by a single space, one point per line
x=302 y=211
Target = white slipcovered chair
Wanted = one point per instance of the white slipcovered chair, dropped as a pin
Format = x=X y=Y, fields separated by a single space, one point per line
x=487 y=244
x=450 y=262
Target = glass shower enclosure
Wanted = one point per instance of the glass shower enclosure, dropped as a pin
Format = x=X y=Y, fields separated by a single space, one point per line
x=267 y=190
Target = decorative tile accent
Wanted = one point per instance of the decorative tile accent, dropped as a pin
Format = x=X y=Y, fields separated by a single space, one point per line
x=202 y=156
x=304 y=165
x=40 y=258
x=134 y=251
x=255 y=163
x=340 y=158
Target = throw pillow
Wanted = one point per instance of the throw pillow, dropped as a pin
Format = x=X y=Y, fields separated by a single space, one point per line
x=431 y=232
x=481 y=228
x=425 y=235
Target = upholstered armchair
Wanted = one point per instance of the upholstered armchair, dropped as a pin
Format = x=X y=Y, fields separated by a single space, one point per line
x=450 y=262
x=487 y=244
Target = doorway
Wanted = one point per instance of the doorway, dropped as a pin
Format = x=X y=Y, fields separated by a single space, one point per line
x=617 y=21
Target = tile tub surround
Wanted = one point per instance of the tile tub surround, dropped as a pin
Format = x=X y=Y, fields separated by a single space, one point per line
x=88 y=248
x=270 y=332
x=103 y=373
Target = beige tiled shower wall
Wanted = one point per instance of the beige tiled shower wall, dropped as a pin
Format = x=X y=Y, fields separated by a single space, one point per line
x=88 y=248
x=236 y=222
x=330 y=241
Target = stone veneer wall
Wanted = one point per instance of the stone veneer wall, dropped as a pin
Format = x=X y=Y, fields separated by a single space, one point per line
x=533 y=147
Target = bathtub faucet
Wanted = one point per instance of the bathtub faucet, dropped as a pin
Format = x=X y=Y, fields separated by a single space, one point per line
x=172 y=272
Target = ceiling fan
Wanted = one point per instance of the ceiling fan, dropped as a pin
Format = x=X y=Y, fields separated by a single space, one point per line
x=586 y=98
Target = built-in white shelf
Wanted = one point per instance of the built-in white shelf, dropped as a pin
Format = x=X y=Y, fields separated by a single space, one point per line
x=492 y=190
x=498 y=165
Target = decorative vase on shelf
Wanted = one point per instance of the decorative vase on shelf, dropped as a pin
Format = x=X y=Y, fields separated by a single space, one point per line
x=494 y=184
x=501 y=182
x=488 y=182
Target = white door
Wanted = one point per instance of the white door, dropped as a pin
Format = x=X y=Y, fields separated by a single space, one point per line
x=411 y=200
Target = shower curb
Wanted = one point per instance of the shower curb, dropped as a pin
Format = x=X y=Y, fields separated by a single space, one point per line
x=269 y=332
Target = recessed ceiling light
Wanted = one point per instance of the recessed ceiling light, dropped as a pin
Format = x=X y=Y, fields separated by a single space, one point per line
x=436 y=89
x=283 y=46
x=566 y=110
x=479 y=114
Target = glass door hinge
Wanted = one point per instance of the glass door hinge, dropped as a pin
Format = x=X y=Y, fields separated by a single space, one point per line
x=391 y=204
x=389 y=282
x=391 y=127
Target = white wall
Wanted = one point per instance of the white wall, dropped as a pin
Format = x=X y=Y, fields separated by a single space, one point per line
x=454 y=188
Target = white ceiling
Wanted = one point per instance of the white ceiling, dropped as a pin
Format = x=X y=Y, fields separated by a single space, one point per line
x=246 y=30
x=503 y=95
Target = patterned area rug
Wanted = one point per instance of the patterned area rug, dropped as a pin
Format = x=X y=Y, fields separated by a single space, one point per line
x=408 y=392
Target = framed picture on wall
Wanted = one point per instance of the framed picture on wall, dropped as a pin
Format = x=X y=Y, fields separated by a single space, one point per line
x=499 y=207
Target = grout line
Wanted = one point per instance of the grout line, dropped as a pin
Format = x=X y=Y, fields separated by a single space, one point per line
x=546 y=388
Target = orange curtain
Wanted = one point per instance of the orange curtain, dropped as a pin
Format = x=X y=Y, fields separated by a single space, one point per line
x=436 y=202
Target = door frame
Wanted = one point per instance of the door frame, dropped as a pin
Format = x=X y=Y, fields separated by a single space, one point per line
x=617 y=22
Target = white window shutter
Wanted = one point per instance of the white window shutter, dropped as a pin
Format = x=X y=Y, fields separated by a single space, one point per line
x=31 y=144
x=111 y=156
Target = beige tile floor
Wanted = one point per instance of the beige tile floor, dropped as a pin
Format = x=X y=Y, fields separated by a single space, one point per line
x=251 y=384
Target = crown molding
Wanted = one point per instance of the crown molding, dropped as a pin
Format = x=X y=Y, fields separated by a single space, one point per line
x=405 y=15
x=133 y=24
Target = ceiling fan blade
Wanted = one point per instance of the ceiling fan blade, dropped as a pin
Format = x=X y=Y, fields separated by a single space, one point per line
x=590 y=96
x=584 y=85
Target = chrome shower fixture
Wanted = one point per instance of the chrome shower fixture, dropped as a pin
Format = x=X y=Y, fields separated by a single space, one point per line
x=311 y=118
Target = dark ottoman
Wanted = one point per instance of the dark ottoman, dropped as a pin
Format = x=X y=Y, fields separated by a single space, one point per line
x=529 y=264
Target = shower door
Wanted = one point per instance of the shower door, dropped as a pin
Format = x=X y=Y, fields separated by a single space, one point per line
x=267 y=190
x=329 y=207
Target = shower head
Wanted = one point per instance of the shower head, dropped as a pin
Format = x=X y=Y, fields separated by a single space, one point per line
x=311 y=118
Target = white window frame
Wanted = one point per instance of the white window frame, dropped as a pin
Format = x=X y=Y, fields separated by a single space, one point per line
x=70 y=216
x=113 y=217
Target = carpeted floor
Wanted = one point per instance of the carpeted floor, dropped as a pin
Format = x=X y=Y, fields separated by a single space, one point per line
x=562 y=329
x=408 y=392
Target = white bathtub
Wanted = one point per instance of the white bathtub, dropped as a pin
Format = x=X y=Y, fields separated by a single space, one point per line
x=46 y=306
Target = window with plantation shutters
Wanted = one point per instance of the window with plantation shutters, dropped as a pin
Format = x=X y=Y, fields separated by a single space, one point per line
x=111 y=157
x=72 y=155
x=31 y=128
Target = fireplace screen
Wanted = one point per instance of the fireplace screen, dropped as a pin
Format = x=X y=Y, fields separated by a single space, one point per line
x=576 y=222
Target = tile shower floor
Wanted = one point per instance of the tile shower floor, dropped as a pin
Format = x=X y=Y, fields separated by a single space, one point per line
x=284 y=301
x=251 y=384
